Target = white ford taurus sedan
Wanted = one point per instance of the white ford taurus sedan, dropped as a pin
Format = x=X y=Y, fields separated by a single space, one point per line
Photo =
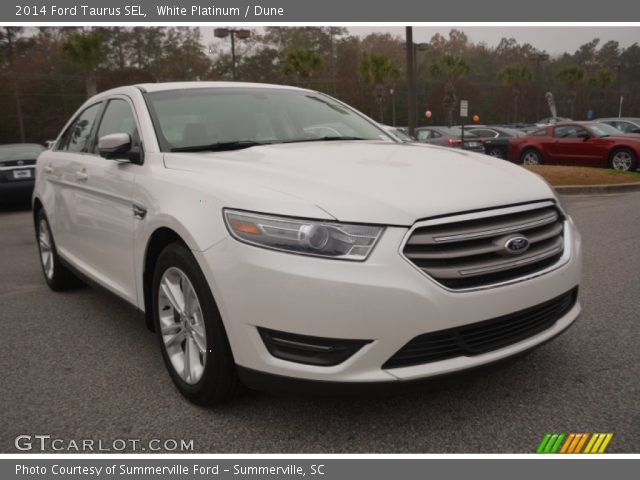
x=277 y=238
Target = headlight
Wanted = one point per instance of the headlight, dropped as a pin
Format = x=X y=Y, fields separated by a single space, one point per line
x=305 y=237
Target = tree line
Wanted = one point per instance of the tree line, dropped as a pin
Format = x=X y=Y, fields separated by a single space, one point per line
x=47 y=72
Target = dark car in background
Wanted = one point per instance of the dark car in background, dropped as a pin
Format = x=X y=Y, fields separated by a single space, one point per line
x=587 y=144
x=17 y=169
x=624 y=124
x=449 y=137
x=495 y=139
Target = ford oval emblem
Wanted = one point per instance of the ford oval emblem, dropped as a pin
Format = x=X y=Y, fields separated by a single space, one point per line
x=517 y=245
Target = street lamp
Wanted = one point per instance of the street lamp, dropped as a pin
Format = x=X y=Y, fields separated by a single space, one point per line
x=619 y=68
x=241 y=33
x=539 y=58
x=411 y=81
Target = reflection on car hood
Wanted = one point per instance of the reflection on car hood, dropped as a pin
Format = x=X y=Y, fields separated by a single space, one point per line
x=369 y=182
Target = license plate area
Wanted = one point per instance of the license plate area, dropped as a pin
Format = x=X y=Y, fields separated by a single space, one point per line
x=21 y=174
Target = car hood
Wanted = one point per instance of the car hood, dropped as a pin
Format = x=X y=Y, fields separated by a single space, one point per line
x=362 y=181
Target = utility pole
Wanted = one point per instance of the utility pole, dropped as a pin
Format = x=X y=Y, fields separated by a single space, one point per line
x=539 y=58
x=242 y=34
x=411 y=82
x=619 y=68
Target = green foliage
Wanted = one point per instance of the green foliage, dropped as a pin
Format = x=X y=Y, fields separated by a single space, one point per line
x=516 y=75
x=301 y=64
x=378 y=69
x=86 y=49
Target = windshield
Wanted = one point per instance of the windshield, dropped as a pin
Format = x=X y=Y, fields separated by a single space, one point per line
x=604 y=130
x=20 y=152
x=243 y=117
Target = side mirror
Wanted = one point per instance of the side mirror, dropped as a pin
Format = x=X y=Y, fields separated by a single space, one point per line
x=635 y=130
x=584 y=135
x=117 y=146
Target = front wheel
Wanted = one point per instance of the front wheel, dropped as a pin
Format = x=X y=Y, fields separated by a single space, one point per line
x=531 y=157
x=623 y=160
x=58 y=277
x=192 y=337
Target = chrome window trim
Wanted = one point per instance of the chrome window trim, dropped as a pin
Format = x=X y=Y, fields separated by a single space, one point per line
x=566 y=254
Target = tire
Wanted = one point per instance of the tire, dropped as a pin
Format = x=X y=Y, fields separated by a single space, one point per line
x=496 y=152
x=58 y=277
x=623 y=160
x=531 y=156
x=191 y=330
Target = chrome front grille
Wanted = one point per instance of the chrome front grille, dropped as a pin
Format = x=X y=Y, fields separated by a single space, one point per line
x=470 y=251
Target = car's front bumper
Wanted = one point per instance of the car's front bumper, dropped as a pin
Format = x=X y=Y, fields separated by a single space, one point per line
x=385 y=299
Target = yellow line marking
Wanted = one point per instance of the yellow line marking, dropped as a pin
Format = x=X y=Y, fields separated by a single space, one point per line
x=605 y=443
x=601 y=436
x=594 y=437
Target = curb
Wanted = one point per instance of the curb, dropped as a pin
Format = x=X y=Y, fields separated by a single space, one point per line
x=597 y=189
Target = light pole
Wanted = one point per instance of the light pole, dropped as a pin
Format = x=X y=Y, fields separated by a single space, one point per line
x=619 y=68
x=242 y=34
x=539 y=58
x=392 y=91
x=411 y=82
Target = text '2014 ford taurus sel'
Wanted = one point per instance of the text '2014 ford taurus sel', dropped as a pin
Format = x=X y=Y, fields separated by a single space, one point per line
x=274 y=234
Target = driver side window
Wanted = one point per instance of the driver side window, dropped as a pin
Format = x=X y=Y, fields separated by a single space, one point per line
x=76 y=137
x=569 y=131
x=118 y=118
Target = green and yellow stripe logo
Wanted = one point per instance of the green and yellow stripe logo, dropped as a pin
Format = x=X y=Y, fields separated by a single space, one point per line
x=574 y=442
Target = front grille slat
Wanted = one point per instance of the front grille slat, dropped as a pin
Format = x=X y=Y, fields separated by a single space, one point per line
x=472 y=253
x=485 y=336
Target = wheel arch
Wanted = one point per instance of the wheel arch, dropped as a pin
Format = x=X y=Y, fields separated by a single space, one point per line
x=158 y=240
x=37 y=206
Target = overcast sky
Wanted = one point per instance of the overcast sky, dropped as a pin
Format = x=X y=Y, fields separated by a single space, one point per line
x=552 y=39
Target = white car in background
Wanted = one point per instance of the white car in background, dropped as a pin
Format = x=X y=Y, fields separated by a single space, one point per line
x=276 y=237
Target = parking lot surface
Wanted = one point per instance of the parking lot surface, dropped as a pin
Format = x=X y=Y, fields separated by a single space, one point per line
x=81 y=365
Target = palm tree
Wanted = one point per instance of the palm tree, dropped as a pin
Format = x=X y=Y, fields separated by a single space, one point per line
x=516 y=76
x=571 y=76
x=86 y=49
x=380 y=71
x=602 y=80
x=449 y=68
x=302 y=63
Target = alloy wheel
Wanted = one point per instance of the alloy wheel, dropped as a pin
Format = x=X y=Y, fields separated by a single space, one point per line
x=531 y=158
x=46 y=251
x=182 y=325
x=622 y=161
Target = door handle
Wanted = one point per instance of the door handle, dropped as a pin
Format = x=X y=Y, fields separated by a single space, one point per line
x=82 y=176
x=48 y=169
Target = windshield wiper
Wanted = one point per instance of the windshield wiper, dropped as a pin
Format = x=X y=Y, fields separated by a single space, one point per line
x=324 y=139
x=220 y=146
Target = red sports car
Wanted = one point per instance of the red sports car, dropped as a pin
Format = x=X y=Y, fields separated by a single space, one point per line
x=587 y=144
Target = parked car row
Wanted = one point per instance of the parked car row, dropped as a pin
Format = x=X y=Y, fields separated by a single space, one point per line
x=607 y=142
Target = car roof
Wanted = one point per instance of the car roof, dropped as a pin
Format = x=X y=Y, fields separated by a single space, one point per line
x=609 y=119
x=164 y=86
x=168 y=86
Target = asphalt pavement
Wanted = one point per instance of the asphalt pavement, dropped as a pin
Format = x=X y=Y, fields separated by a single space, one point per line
x=81 y=365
